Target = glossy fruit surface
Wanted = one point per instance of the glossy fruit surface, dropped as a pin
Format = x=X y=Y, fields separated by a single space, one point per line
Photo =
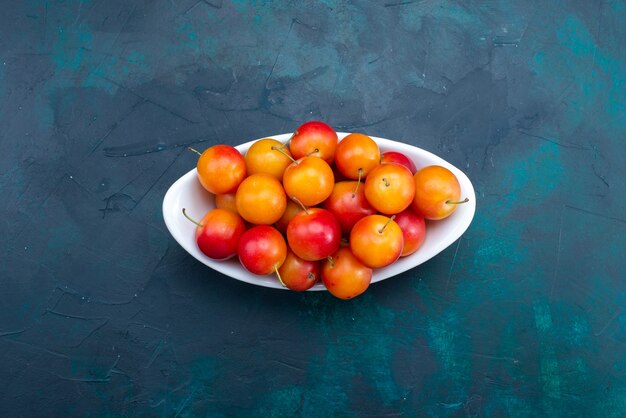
x=268 y=156
x=226 y=201
x=314 y=234
x=291 y=210
x=413 y=228
x=188 y=191
x=389 y=188
x=348 y=203
x=309 y=179
x=315 y=139
x=262 y=250
x=393 y=157
x=344 y=275
x=218 y=234
x=376 y=241
x=437 y=192
x=356 y=153
x=261 y=199
x=221 y=168
x=298 y=274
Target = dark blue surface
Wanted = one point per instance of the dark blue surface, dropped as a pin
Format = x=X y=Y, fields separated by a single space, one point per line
x=104 y=314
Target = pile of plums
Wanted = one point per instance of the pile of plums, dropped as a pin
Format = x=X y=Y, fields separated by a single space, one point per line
x=316 y=208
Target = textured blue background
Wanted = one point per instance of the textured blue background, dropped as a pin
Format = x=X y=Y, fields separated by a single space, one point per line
x=103 y=313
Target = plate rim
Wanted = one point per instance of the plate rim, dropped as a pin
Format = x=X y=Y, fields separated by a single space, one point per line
x=227 y=269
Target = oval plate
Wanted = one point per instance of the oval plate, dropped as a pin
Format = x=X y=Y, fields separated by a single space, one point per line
x=187 y=193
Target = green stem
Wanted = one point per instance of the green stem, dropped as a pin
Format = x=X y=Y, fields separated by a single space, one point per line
x=194 y=150
x=358 y=183
x=295 y=199
x=450 y=202
x=386 y=223
x=192 y=220
x=280 y=149
x=280 y=279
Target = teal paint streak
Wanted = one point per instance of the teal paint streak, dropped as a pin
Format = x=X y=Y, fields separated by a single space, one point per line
x=579 y=332
x=442 y=340
x=526 y=181
x=446 y=344
x=204 y=378
x=510 y=401
x=452 y=380
x=543 y=319
x=605 y=73
x=618 y=7
x=195 y=40
x=550 y=378
x=457 y=13
x=496 y=247
x=347 y=358
x=282 y=402
x=612 y=404
x=452 y=14
x=71 y=48
x=595 y=70
x=80 y=54
x=537 y=174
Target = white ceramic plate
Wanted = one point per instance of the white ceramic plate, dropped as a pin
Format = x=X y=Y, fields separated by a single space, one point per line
x=187 y=193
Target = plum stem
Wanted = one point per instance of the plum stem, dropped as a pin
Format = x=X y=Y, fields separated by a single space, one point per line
x=295 y=199
x=280 y=279
x=313 y=152
x=191 y=219
x=450 y=202
x=386 y=182
x=331 y=261
x=386 y=223
x=286 y=144
x=194 y=150
x=280 y=149
x=358 y=183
